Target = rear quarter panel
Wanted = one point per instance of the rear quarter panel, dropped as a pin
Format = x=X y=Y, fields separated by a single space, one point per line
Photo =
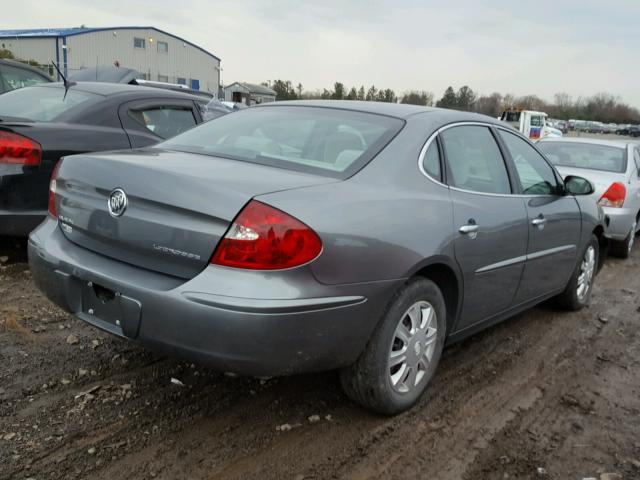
x=383 y=223
x=592 y=218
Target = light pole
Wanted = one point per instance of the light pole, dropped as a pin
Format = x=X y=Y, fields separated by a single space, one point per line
x=219 y=69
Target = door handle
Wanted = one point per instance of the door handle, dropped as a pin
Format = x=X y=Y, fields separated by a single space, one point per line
x=466 y=229
x=539 y=221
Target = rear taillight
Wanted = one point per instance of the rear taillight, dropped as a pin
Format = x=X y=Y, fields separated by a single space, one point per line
x=53 y=210
x=264 y=238
x=18 y=150
x=614 y=196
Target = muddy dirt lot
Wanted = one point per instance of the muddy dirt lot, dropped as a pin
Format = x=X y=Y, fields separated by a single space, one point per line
x=544 y=395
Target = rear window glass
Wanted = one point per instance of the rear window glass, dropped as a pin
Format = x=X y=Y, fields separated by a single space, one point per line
x=41 y=104
x=326 y=141
x=511 y=116
x=583 y=155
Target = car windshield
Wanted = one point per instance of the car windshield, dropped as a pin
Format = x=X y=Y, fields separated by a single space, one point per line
x=584 y=155
x=320 y=140
x=41 y=104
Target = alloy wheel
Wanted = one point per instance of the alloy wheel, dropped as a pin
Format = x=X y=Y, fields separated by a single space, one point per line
x=632 y=237
x=412 y=347
x=587 y=269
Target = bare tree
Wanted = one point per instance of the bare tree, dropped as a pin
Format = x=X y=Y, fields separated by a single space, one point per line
x=489 y=104
x=465 y=98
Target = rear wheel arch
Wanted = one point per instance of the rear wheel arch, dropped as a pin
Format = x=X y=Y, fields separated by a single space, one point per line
x=602 y=245
x=448 y=281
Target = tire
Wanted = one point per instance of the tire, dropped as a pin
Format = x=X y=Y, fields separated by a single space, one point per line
x=571 y=299
x=370 y=380
x=623 y=248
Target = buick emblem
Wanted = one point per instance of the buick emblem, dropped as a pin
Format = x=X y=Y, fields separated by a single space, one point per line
x=117 y=202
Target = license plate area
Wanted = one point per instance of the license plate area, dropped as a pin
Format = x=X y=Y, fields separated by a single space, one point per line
x=110 y=309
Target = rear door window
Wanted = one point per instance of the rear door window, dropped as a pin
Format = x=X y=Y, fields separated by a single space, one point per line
x=166 y=121
x=431 y=161
x=474 y=160
x=535 y=174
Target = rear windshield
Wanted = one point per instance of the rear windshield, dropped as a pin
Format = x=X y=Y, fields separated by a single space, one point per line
x=41 y=104
x=326 y=141
x=583 y=155
x=511 y=117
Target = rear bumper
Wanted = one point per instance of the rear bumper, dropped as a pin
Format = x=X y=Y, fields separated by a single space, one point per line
x=252 y=323
x=620 y=222
x=20 y=223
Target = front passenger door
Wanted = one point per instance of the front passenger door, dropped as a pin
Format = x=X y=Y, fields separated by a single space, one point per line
x=554 y=221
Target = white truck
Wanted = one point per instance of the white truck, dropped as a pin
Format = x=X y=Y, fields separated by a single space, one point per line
x=530 y=123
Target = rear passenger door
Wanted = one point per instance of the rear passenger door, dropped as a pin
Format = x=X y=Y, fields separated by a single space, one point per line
x=554 y=220
x=148 y=122
x=490 y=223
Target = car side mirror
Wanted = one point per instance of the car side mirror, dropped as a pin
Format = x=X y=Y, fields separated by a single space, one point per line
x=575 y=185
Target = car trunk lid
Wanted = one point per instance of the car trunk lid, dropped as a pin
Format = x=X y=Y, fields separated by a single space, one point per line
x=178 y=205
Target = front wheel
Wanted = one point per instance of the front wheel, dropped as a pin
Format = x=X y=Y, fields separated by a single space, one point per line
x=403 y=352
x=578 y=292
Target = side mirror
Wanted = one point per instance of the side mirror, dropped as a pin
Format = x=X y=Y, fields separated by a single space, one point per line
x=575 y=185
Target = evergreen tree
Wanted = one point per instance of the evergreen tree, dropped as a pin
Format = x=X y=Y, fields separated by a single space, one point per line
x=338 y=91
x=284 y=90
x=372 y=94
x=449 y=99
x=390 y=96
x=418 y=97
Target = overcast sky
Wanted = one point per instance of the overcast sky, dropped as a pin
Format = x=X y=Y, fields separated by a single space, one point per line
x=536 y=47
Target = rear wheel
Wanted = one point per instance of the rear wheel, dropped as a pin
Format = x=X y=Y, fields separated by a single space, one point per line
x=622 y=249
x=403 y=352
x=578 y=292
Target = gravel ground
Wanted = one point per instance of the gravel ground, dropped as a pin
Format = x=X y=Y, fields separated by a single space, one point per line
x=547 y=394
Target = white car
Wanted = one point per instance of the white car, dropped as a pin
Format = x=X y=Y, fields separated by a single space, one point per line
x=614 y=169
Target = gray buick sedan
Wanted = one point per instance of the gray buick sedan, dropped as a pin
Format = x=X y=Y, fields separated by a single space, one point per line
x=306 y=236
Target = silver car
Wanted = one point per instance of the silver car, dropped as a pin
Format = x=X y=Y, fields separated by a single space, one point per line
x=614 y=169
x=304 y=236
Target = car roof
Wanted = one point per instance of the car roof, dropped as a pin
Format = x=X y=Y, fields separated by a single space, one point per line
x=398 y=110
x=25 y=66
x=590 y=141
x=110 y=89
